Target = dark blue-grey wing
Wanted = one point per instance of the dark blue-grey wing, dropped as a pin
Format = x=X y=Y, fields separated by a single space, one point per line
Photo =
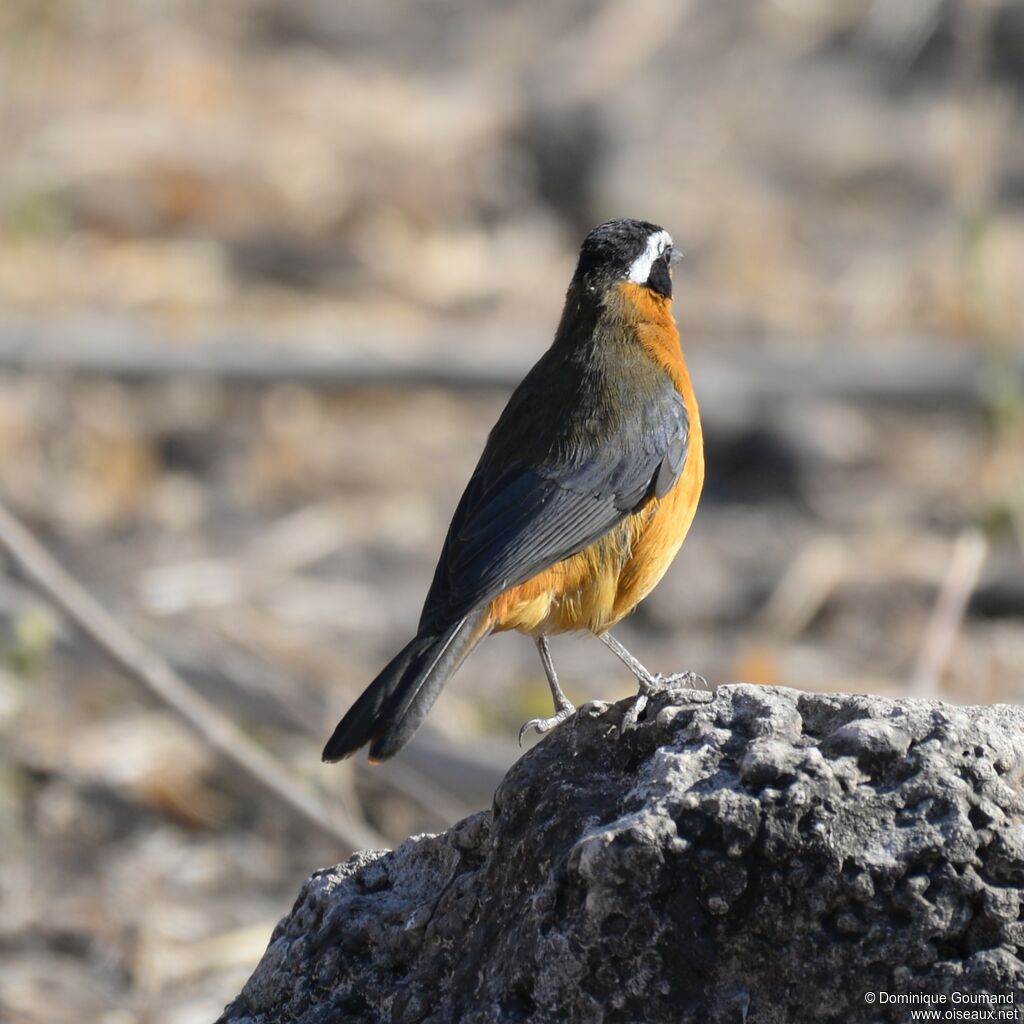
x=511 y=526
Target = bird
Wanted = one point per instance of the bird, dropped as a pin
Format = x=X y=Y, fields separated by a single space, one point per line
x=582 y=497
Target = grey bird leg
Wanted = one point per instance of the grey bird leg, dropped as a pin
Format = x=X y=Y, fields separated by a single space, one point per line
x=563 y=706
x=649 y=682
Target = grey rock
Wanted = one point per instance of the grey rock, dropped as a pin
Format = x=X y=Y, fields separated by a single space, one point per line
x=764 y=856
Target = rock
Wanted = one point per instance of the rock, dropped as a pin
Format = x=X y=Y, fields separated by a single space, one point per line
x=764 y=856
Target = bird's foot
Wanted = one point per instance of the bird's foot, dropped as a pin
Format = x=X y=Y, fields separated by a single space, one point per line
x=545 y=725
x=655 y=682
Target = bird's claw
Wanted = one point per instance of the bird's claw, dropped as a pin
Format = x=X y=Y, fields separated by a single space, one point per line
x=545 y=725
x=633 y=712
x=689 y=680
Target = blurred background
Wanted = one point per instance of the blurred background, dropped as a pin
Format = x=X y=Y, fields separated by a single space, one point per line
x=268 y=271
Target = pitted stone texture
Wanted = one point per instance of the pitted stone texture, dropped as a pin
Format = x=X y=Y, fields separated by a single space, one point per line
x=765 y=855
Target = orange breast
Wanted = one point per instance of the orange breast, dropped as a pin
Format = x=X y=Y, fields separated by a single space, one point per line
x=602 y=584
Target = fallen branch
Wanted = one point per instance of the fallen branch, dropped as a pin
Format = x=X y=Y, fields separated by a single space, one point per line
x=40 y=569
x=915 y=372
x=965 y=565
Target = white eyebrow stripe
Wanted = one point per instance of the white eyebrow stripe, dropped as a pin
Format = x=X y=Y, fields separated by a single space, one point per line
x=641 y=266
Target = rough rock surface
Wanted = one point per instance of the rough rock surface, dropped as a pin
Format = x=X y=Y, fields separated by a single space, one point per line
x=759 y=855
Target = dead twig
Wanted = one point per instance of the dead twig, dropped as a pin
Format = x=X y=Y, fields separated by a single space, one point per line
x=804 y=589
x=965 y=564
x=40 y=569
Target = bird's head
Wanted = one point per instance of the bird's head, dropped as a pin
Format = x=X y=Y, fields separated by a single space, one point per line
x=627 y=250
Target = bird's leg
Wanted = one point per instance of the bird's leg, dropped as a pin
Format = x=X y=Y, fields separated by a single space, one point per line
x=649 y=682
x=563 y=706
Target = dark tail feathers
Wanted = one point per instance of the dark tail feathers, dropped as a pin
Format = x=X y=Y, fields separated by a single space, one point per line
x=394 y=705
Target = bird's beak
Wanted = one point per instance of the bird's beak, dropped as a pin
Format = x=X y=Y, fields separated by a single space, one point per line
x=675 y=255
